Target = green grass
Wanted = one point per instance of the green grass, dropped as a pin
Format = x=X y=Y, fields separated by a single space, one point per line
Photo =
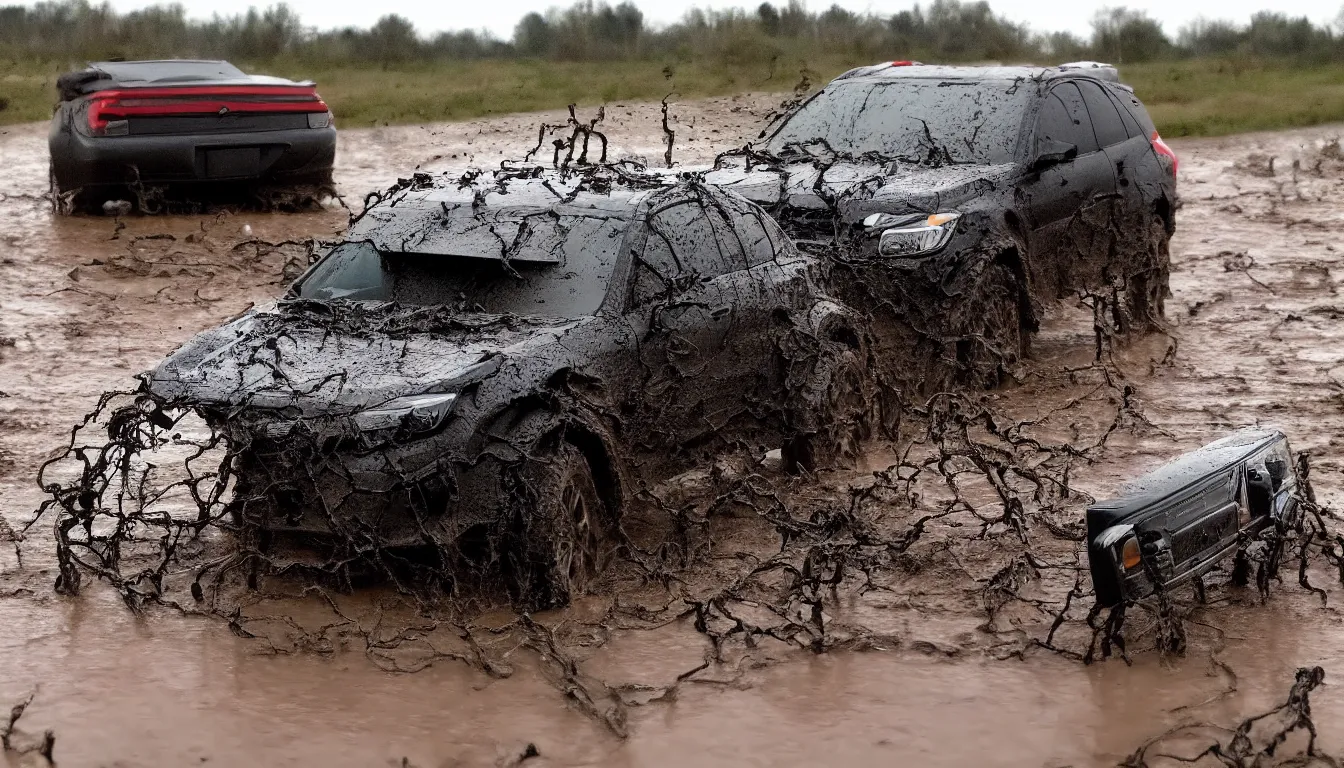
x=1218 y=97
x=1186 y=98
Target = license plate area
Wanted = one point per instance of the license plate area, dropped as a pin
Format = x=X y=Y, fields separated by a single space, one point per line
x=234 y=162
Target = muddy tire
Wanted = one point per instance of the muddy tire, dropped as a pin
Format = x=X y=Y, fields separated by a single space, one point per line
x=1241 y=567
x=63 y=201
x=1146 y=290
x=842 y=394
x=565 y=540
x=993 y=340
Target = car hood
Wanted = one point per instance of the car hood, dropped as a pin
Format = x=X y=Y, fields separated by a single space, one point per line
x=860 y=188
x=334 y=359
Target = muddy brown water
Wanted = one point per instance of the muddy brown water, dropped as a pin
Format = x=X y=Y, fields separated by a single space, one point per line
x=86 y=305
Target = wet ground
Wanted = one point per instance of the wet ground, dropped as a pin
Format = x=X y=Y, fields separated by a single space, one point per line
x=916 y=671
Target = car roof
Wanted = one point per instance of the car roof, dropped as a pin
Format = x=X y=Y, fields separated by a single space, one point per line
x=1187 y=470
x=915 y=71
x=405 y=219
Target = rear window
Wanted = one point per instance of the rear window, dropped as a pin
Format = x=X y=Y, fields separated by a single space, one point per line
x=168 y=71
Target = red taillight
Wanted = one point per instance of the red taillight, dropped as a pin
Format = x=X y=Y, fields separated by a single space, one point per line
x=904 y=63
x=109 y=106
x=1162 y=150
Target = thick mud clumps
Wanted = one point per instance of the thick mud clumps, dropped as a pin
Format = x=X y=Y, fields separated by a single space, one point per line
x=975 y=498
x=186 y=199
x=12 y=743
x=1262 y=739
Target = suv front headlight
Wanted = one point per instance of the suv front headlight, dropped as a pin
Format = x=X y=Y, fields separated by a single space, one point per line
x=911 y=235
x=414 y=413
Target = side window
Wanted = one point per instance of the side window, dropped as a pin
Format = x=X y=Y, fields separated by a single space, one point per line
x=749 y=228
x=1131 y=104
x=1064 y=118
x=1132 y=127
x=1106 y=121
x=654 y=270
x=683 y=248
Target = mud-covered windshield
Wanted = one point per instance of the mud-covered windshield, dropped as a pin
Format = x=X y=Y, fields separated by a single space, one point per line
x=919 y=121
x=572 y=285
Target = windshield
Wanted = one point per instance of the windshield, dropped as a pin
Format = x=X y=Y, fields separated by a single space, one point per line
x=919 y=121
x=572 y=285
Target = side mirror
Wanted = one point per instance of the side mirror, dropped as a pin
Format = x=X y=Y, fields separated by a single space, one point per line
x=1050 y=152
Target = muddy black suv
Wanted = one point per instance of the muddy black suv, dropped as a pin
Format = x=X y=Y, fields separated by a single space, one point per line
x=502 y=361
x=957 y=202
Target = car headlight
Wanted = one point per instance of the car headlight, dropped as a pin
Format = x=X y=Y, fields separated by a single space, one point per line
x=911 y=235
x=413 y=413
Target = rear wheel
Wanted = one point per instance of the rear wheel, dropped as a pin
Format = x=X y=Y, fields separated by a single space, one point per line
x=563 y=539
x=62 y=200
x=843 y=396
x=1146 y=289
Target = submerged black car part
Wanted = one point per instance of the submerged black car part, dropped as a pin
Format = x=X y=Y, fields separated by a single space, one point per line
x=1183 y=518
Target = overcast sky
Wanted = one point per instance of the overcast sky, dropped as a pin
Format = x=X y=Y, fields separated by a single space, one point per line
x=499 y=16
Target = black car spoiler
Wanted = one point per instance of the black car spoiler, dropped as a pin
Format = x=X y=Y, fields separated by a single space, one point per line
x=93 y=79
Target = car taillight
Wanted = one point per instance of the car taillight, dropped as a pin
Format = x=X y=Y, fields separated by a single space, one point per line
x=1162 y=150
x=108 y=111
x=904 y=63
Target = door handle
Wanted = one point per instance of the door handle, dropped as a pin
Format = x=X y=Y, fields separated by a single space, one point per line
x=720 y=313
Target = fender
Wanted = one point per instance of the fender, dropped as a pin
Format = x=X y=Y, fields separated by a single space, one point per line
x=533 y=424
x=831 y=320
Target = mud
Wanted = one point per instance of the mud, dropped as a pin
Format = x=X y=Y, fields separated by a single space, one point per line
x=854 y=617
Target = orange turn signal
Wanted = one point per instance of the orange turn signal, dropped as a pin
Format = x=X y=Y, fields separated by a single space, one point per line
x=1129 y=553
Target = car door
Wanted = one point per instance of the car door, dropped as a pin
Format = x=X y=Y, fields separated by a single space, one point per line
x=1068 y=192
x=687 y=309
x=1130 y=153
x=776 y=278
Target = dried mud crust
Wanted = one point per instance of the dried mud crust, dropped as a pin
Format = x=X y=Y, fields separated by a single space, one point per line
x=758 y=564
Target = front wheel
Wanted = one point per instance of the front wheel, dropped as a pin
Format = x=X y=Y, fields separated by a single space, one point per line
x=992 y=340
x=563 y=537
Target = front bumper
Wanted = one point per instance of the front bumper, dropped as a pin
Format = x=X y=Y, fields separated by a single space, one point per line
x=286 y=156
x=369 y=499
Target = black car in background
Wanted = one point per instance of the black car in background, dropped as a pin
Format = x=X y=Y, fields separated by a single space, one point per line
x=138 y=124
x=506 y=360
x=957 y=202
x=1178 y=521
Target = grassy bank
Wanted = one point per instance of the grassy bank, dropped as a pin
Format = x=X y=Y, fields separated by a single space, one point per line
x=1186 y=98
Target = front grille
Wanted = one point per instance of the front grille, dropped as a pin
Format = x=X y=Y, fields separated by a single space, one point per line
x=1191 y=542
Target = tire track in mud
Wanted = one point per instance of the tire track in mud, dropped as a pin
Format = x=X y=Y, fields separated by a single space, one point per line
x=1254 y=310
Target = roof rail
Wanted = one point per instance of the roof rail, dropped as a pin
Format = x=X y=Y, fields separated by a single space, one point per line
x=1097 y=69
x=873 y=68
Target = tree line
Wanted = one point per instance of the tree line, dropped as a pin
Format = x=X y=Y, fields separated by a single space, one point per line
x=941 y=31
